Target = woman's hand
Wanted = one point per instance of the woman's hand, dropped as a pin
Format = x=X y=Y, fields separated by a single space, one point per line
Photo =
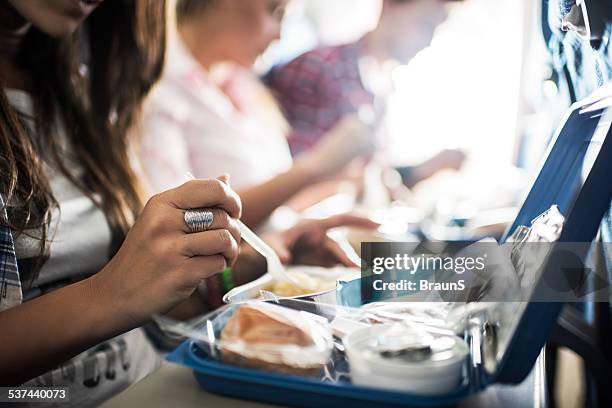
x=160 y=263
x=308 y=243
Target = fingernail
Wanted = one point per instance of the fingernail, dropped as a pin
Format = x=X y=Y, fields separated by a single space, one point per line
x=224 y=178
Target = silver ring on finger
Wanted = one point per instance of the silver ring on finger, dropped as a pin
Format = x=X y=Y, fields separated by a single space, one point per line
x=199 y=220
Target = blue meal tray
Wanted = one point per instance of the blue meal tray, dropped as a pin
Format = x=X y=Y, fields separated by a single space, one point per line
x=576 y=176
x=295 y=391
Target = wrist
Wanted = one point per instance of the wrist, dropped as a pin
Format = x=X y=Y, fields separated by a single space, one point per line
x=107 y=306
x=307 y=170
x=101 y=321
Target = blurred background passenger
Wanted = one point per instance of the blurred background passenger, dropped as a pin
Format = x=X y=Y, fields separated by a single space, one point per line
x=319 y=88
x=211 y=115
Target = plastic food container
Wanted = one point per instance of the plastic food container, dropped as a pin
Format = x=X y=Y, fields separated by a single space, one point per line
x=270 y=337
x=328 y=278
x=398 y=358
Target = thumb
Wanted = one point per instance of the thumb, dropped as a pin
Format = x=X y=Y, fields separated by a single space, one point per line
x=284 y=255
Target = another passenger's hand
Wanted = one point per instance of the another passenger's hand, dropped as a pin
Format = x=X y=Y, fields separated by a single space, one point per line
x=349 y=139
x=160 y=263
x=308 y=243
x=448 y=159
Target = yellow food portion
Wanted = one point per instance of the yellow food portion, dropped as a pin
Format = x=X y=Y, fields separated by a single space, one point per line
x=312 y=280
x=309 y=284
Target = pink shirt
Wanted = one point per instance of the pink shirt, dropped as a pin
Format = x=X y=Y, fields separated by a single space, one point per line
x=190 y=125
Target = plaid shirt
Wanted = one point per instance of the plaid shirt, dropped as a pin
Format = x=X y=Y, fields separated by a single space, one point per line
x=317 y=89
x=10 y=285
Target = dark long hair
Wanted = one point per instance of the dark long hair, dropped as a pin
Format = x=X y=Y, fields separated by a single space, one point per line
x=94 y=82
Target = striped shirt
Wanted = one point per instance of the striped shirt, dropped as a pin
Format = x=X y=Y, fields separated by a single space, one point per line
x=10 y=284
